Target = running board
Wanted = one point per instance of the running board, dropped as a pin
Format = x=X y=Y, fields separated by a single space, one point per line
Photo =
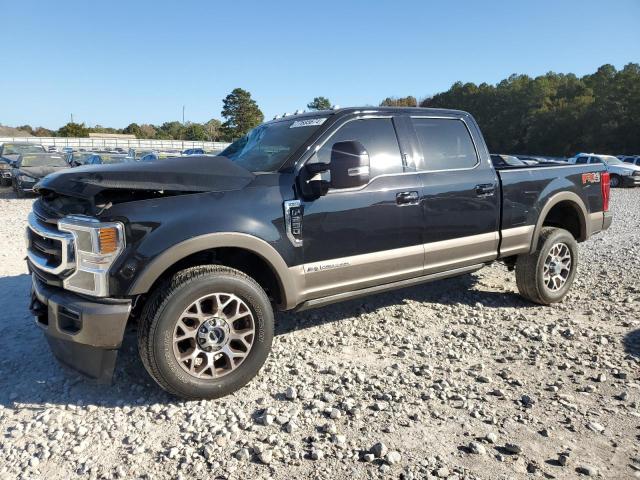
x=339 y=297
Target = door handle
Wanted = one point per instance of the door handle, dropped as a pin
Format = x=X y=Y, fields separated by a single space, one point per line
x=407 y=198
x=485 y=190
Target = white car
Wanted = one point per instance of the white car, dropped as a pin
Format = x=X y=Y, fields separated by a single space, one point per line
x=622 y=174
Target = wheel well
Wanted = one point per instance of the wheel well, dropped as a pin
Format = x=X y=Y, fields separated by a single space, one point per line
x=567 y=215
x=244 y=260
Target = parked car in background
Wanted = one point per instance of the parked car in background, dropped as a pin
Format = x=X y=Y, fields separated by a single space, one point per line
x=30 y=168
x=633 y=159
x=500 y=160
x=193 y=151
x=52 y=149
x=78 y=159
x=10 y=153
x=5 y=172
x=67 y=149
x=622 y=174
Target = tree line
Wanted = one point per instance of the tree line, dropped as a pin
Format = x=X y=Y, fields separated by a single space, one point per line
x=552 y=114
x=240 y=111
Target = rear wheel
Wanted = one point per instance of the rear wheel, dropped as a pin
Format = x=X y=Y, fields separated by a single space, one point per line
x=546 y=275
x=615 y=181
x=206 y=333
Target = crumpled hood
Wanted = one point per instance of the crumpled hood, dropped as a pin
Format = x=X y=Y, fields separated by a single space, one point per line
x=39 y=172
x=180 y=174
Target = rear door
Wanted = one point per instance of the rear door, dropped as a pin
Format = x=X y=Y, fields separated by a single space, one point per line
x=355 y=238
x=461 y=196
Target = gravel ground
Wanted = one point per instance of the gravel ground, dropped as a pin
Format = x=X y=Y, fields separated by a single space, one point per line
x=457 y=379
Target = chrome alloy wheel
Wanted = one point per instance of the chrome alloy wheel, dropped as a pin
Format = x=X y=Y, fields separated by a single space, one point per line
x=214 y=335
x=557 y=267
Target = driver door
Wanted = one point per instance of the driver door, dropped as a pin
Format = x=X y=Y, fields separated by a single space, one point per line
x=354 y=238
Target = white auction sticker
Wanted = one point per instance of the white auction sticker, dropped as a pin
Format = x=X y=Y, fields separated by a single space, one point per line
x=308 y=123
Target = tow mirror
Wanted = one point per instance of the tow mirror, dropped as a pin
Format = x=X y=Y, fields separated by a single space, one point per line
x=350 y=166
x=315 y=185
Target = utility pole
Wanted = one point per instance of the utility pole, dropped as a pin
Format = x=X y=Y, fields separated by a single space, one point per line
x=182 y=115
x=72 y=118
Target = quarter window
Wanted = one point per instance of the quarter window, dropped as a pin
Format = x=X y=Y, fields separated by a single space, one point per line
x=379 y=139
x=446 y=144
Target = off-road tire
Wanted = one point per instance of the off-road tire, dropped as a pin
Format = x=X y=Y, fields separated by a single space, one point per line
x=530 y=267
x=164 y=307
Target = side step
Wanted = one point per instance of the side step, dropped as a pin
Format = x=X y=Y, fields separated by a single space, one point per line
x=339 y=297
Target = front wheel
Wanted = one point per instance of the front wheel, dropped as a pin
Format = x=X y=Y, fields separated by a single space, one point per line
x=546 y=275
x=206 y=333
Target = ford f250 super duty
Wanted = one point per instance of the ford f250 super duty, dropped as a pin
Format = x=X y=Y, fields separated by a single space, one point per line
x=301 y=212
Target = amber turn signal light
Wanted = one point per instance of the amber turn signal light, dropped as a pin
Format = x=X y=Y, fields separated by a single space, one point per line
x=108 y=240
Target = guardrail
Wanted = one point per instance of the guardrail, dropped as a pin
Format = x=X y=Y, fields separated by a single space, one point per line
x=107 y=143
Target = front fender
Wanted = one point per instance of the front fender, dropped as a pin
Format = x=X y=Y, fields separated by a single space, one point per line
x=147 y=277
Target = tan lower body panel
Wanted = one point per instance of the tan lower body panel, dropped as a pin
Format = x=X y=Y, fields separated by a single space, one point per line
x=329 y=277
x=334 y=276
x=516 y=240
x=458 y=252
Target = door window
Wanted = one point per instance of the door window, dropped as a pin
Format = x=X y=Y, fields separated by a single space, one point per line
x=378 y=137
x=446 y=144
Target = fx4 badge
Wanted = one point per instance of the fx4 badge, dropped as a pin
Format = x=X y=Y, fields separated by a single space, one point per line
x=593 y=177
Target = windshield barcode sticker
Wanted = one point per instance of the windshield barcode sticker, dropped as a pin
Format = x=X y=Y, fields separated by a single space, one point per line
x=308 y=123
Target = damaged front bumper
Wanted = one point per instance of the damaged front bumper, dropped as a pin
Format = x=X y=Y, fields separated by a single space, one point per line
x=83 y=334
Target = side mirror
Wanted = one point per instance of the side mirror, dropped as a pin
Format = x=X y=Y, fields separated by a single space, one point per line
x=350 y=166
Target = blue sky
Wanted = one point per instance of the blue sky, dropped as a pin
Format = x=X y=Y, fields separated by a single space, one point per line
x=118 y=62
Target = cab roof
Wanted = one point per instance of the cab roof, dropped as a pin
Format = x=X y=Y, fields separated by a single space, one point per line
x=370 y=110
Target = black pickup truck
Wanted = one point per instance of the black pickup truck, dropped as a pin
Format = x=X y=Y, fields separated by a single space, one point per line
x=303 y=211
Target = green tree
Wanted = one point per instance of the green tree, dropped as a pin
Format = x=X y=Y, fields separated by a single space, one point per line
x=147 y=131
x=214 y=129
x=25 y=128
x=43 y=132
x=195 y=131
x=409 y=101
x=241 y=113
x=319 y=103
x=73 y=129
x=133 y=129
x=170 y=131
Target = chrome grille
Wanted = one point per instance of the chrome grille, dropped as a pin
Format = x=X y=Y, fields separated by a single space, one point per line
x=49 y=249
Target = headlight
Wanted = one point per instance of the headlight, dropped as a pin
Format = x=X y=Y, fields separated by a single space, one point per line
x=26 y=178
x=97 y=245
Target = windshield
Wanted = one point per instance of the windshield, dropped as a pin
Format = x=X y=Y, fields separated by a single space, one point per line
x=43 y=161
x=20 y=149
x=266 y=147
x=611 y=160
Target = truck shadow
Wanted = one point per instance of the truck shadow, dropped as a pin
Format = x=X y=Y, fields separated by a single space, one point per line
x=453 y=291
x=30 y=377
x=631 y=343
